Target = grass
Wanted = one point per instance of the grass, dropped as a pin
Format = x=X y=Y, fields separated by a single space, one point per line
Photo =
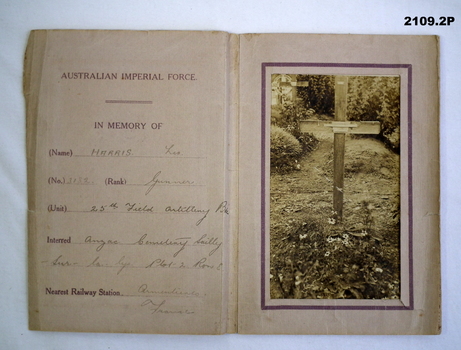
x=315 y=257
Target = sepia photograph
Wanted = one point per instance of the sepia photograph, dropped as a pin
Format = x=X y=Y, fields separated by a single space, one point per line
x=335 y=187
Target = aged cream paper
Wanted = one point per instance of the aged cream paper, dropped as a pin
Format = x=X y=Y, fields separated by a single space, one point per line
x=417 y=309
x=130 y=179
x=136 y=142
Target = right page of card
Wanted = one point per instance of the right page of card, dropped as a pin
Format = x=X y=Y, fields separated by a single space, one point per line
x=339 y=185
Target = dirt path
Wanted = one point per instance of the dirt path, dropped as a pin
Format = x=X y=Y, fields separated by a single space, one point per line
x=371 y=174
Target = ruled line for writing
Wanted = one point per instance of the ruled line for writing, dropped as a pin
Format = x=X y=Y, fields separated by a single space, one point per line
x=136 y=244
x=166 y=294
x=166 y=185
x=123 y=267
x=130 y=102
x=131 y=156
x=131 y=212
x=143 y=185
x=76 y=184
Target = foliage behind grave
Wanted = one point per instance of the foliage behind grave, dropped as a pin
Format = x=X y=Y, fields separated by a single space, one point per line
x=369 y=98
x=377 y=98
x=319 y=94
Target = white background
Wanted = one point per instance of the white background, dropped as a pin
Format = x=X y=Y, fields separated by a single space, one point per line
x=18 y=17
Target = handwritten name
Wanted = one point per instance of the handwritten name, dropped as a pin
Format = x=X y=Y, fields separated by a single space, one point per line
x=171 y=151
x=111 y=153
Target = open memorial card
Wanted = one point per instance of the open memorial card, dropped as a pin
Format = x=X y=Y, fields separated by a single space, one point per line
x=208 y=183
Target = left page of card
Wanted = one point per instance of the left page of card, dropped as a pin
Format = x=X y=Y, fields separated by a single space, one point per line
x=128 y=181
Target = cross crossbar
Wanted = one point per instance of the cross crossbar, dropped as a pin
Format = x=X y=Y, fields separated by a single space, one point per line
x=367 y=127
x=294 y=83
x=340 y=127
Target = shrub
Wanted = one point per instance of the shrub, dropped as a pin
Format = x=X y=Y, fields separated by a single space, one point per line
x=285 y=150
x=276 y=112
x=287 y=116
x=308 y=141
x=377 y=98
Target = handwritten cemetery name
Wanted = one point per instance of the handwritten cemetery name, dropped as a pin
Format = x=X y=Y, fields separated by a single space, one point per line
x=179 y=244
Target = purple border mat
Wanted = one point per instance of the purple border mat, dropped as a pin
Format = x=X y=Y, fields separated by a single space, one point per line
x=263 y=191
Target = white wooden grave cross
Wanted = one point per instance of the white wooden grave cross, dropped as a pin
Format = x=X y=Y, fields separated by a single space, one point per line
x=294 y=85
x=340 y=127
